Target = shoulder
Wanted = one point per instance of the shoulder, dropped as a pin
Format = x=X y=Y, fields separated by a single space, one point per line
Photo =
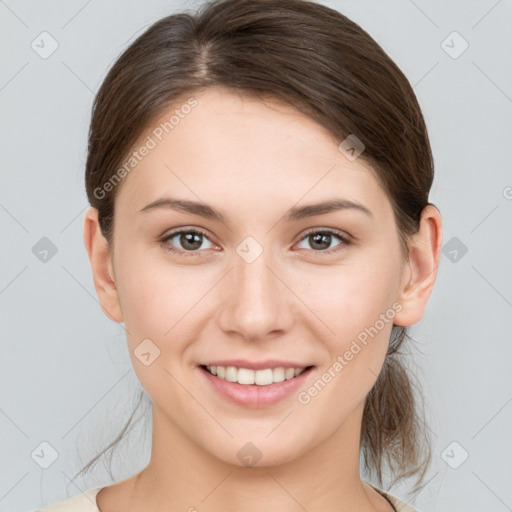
x=83 y=502
x=398 y=504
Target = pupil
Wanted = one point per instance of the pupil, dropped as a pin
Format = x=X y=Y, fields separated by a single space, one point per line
x=322 y=239
x=193 y=239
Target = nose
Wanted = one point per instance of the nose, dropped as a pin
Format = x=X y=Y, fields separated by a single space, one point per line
x=255 y=302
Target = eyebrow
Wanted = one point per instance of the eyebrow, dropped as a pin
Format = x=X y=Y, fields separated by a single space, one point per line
x=294 y=214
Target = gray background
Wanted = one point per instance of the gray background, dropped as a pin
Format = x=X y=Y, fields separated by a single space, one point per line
x=66 y=378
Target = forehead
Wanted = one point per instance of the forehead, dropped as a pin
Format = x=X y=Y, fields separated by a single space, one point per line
x=235 y=147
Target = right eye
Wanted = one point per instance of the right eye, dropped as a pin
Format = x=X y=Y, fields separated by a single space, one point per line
x=189 y=239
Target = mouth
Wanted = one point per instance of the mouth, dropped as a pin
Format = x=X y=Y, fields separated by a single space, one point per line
x=255 y=388
x=249 y=377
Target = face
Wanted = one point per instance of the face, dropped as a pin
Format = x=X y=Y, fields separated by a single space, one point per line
x=260 y=278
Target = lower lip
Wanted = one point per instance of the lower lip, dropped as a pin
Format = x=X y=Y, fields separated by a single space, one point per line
x=252 y=395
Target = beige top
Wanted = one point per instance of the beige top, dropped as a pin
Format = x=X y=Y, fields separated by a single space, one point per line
x=86 y=502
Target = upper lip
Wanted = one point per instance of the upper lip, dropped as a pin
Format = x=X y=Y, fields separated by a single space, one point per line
x=256 y=365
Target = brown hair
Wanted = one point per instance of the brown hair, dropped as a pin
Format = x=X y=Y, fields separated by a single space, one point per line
x=329 y=68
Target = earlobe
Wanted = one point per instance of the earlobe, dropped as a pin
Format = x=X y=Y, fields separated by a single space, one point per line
x=101 y=266
x=421 y=270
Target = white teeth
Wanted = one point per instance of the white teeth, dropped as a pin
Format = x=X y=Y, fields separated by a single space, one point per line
x=258 y=377
x=263 y=377
x=278 y=374
x=231 y=374
x=289 y=373
x=245 y=376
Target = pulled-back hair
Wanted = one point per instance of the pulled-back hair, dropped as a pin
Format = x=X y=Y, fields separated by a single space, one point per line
x=330 y=69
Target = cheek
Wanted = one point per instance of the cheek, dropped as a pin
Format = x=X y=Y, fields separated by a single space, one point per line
x=163 y=301
x=355 y=303
x=358 y=311
x=354 y=297
x=158 y=308
x=153 y=295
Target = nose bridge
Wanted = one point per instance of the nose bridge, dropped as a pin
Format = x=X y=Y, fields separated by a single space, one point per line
x=253 y=278
x=256 y=302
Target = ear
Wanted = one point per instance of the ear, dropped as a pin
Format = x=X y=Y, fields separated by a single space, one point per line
x=420 y=271
x=101 y=264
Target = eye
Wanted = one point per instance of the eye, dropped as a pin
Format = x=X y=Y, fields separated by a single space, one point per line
x=322 y=239
x=190 y=241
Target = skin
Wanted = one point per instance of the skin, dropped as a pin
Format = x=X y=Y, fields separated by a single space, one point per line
x=253 y=160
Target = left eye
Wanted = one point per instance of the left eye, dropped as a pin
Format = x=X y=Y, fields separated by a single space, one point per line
x=322 y=240
x=192 y=240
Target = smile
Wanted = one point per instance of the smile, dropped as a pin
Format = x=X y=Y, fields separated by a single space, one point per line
x=247 y=376
x=255 y=388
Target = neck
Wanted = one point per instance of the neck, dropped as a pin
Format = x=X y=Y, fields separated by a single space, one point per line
x=183 y=476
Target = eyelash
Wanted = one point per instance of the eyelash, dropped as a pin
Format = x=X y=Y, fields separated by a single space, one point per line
x=343 y=239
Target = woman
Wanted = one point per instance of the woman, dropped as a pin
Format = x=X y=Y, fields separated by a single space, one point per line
x=258 y=175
